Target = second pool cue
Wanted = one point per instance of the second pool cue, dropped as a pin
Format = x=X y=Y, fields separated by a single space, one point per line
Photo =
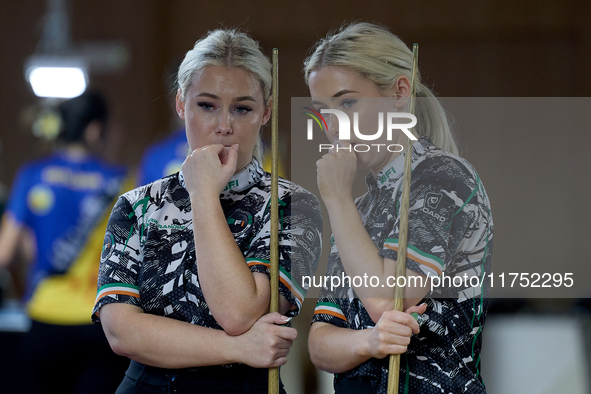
x=394 y=366
x=274 y=247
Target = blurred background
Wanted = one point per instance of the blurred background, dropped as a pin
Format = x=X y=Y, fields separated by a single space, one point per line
x=500 y=48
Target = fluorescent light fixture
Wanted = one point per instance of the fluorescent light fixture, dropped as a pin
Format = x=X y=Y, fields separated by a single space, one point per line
x=64 y=82
x=61 y=77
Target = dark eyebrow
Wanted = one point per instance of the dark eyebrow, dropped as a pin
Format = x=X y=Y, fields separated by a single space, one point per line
x=342 y=92
x=213 y=96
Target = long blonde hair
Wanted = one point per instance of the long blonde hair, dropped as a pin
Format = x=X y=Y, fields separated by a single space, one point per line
x=382 y=57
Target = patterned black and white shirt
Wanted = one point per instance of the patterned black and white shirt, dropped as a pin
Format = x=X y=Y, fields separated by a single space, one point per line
x=450 y=234
x=148 y=257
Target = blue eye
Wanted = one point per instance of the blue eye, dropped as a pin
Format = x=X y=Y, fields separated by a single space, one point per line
x=206 y=106
x=242 y=109
x=348 y=103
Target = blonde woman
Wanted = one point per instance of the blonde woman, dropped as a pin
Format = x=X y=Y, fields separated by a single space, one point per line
x=184 y=279
x=364 y=71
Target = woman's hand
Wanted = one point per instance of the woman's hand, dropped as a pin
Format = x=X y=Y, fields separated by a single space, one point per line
x=208 y=170
x=336 y=172
x=267 y=343
x=392 y=333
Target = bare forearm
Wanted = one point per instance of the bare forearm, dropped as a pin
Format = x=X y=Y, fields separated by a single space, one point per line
x=357 y=251
x=360 y=257
x=334 y=349
x=337 y=350
x=163 y=342
x=229 y=287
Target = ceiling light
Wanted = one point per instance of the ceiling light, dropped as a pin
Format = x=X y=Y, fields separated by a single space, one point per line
x=63 y=77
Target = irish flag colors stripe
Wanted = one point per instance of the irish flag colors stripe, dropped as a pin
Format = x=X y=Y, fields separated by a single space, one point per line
x=284 y=277
x=252 y=262
x=329 y=308
x=417 y=255
x=117 y=288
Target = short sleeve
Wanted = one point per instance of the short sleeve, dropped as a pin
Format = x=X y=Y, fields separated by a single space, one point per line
x=300 y=226
x=442 y=197
x=330 y=310
x=121 y=258
x=17 y=204
x=333 y=304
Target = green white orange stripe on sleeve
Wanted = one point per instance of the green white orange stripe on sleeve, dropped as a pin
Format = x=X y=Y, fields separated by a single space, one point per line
x=329 y=308
x=284 y=277
x=432 y=263
x=117 y=289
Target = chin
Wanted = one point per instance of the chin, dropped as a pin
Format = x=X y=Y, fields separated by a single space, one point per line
x=361 y=163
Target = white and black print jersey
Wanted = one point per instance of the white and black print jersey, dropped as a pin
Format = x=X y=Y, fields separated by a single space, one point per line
x=148 y=258
x=450 y=235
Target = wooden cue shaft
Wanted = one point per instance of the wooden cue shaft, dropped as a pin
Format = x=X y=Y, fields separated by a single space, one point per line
x=394 y=366
x=274 y=247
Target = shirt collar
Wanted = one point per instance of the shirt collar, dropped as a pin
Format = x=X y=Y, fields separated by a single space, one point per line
x=240 y=181
x=392 y=171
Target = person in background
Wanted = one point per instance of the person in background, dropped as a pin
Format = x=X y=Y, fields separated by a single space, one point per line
x=64 y=200
x=163 y=158
x=166 y=155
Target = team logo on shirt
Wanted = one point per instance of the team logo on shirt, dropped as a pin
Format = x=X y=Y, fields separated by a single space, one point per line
x=432 y=200
x=239 y=221
x=309 y=235
x=40 y=199
x=108 y=246
x=431 y=203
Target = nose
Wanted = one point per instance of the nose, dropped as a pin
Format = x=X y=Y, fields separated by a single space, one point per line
x=225 y=124
x=333 y=126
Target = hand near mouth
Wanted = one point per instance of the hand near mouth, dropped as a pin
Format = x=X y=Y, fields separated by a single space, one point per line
x=336 y=172
x=207 y=170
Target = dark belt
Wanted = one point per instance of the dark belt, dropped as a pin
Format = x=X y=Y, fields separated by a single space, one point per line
x=238 y=377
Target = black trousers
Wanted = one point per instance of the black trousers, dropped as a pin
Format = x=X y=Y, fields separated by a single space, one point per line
x=143 y=379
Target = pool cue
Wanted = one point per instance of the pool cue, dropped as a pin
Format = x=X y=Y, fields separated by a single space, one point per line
x=394 y=366
x=274 y=250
